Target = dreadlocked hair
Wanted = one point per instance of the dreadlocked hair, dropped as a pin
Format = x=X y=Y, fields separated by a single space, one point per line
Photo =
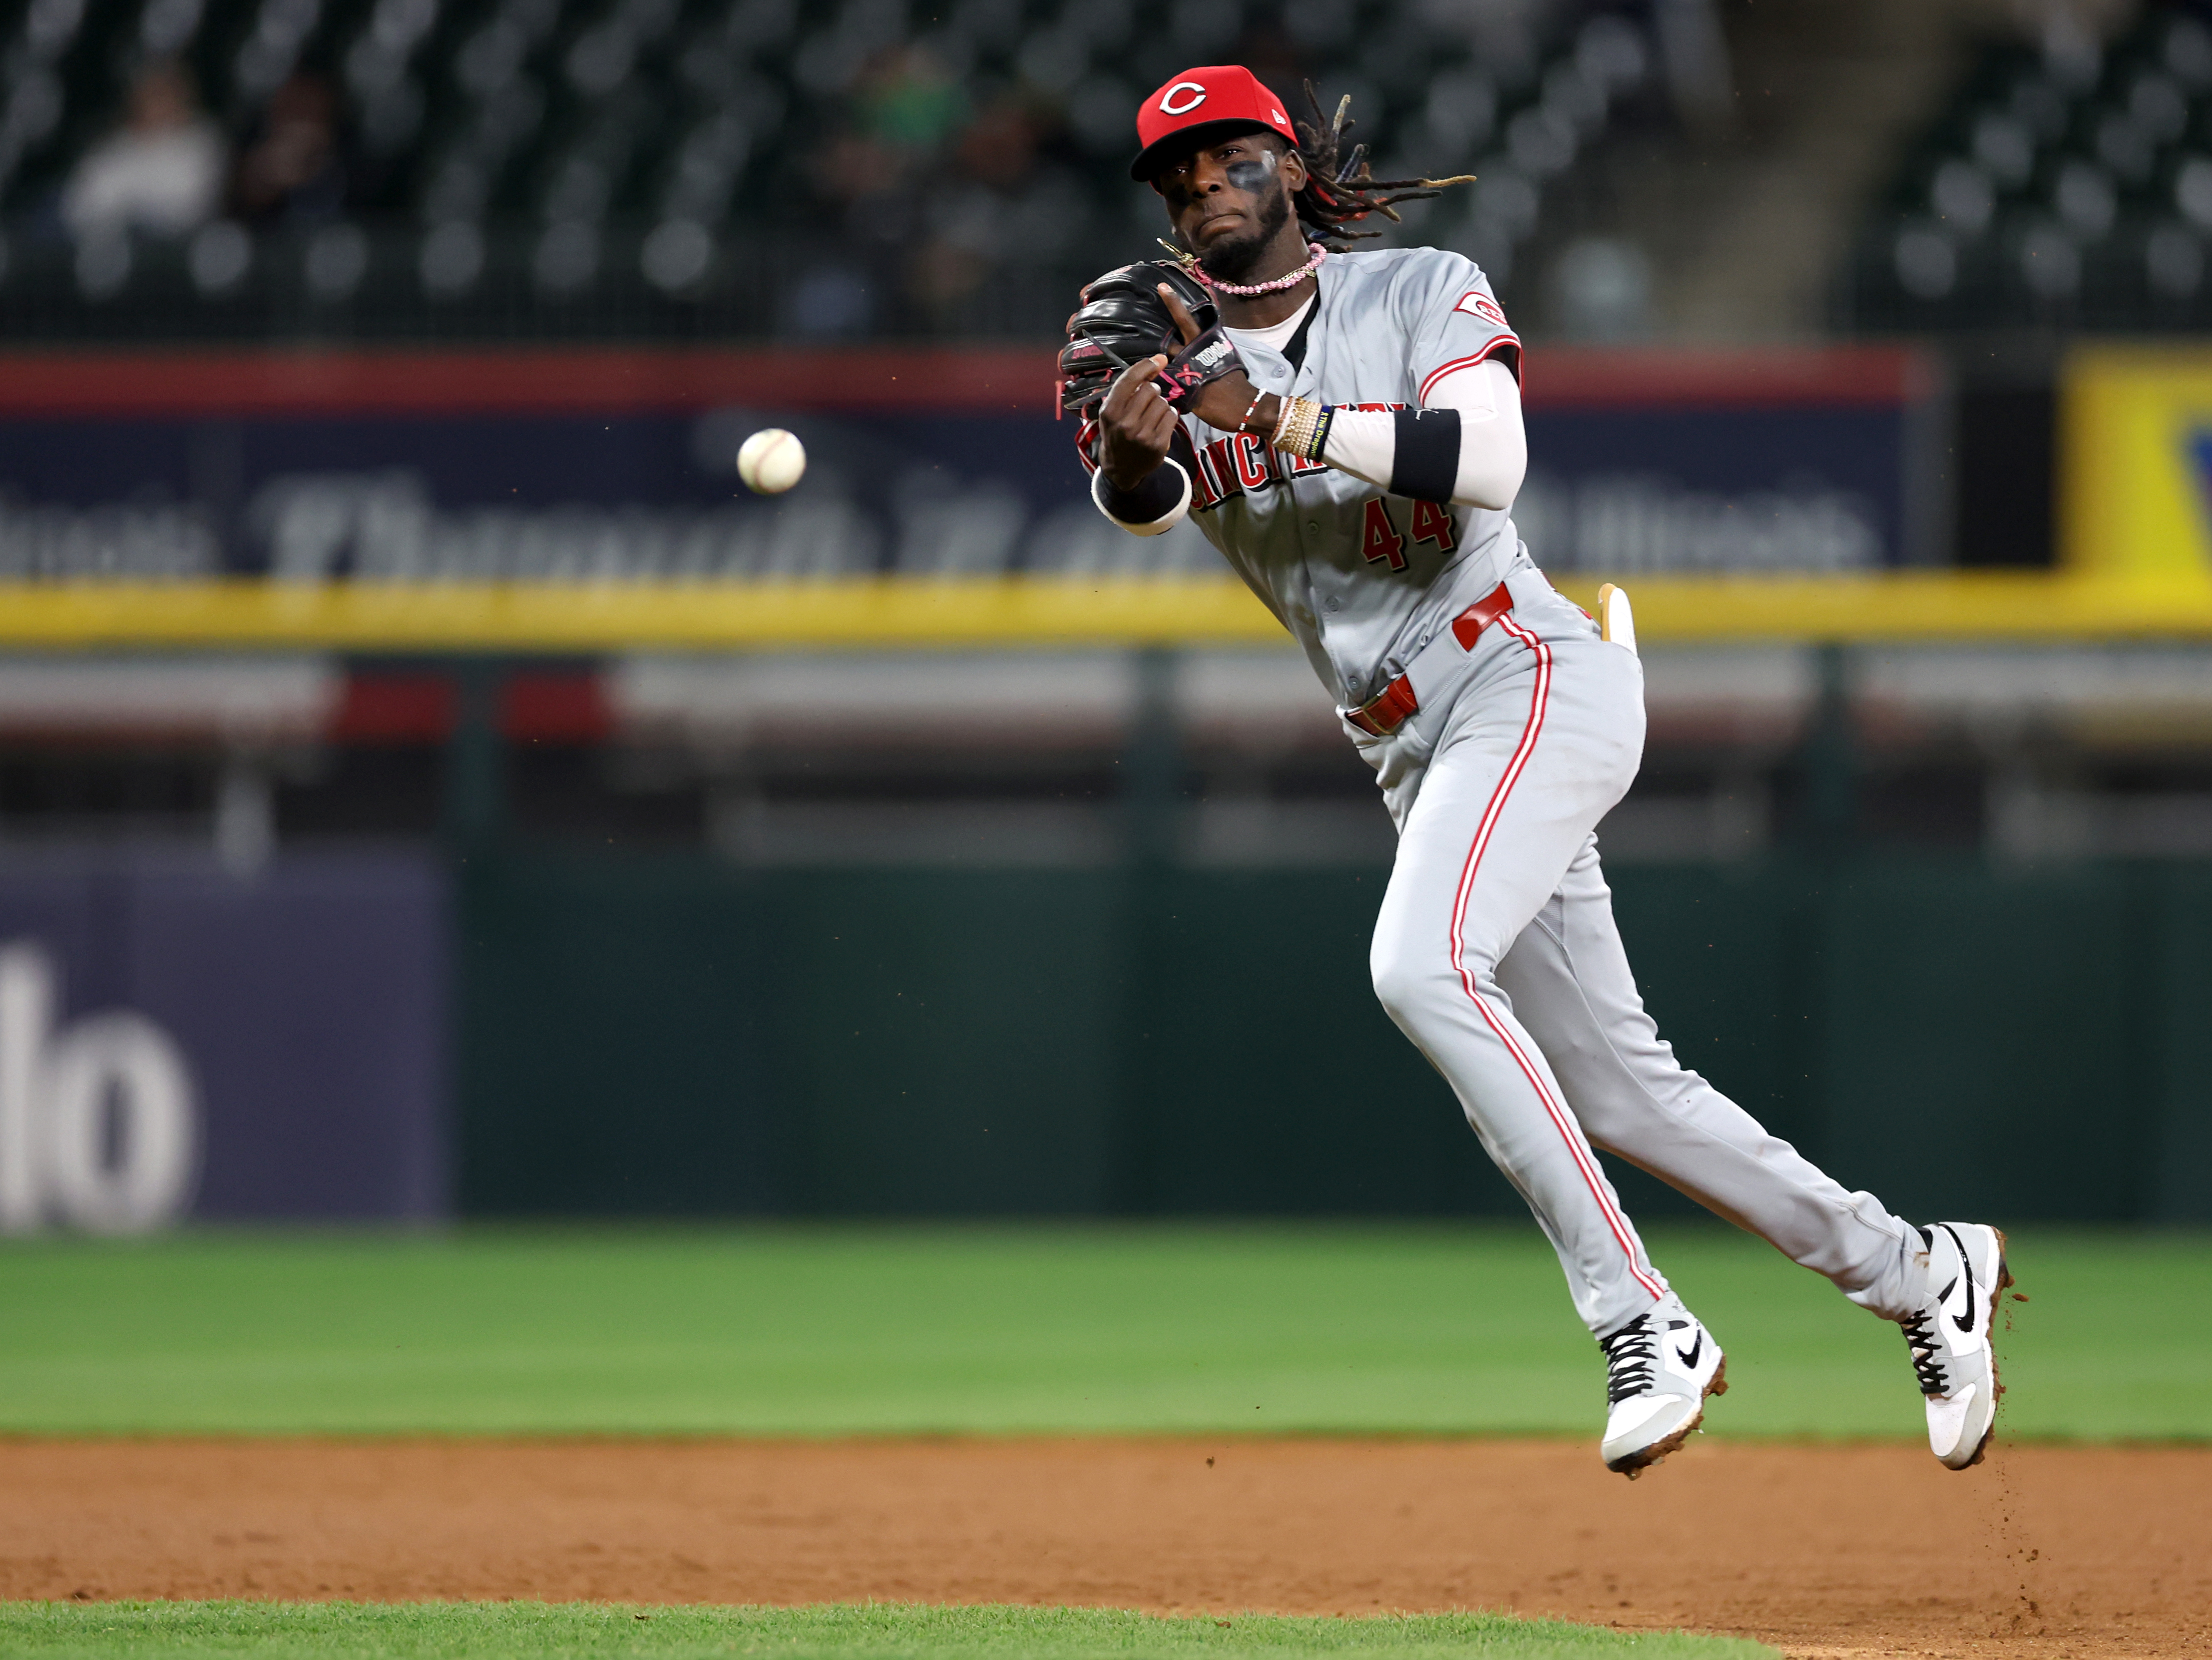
x=1341 y=189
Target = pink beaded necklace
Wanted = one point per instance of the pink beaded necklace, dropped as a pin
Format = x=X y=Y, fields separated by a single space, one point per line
x=1245 y=290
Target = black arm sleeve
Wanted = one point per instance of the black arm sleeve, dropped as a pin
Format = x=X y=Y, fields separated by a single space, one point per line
x=1425 y=466
x=1153 y=498
x=1158 y=492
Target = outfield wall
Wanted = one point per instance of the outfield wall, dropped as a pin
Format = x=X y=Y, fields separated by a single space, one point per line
x=178 y=1039
x=681 y=1035
x=676 y=1037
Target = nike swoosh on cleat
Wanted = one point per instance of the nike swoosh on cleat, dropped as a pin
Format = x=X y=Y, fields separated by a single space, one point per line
x=1696 y=1349
x=1964 y=1322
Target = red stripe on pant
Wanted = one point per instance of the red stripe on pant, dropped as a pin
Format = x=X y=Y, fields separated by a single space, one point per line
x=1578 y=1146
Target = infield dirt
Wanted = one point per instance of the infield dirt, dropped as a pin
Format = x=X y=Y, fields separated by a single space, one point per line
x=1824 y=1551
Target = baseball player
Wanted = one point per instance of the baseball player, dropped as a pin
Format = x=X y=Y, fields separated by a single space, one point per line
x=1346 y=428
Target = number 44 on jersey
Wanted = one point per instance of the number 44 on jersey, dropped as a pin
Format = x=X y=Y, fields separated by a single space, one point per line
x=1383 y=543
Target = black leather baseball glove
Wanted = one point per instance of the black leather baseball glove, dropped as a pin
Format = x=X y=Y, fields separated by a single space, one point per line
x=1123 y=319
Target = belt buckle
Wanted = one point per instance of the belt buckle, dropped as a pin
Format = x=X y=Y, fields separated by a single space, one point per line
x=1395 y=702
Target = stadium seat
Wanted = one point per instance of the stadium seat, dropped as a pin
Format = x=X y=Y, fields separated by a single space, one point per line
x=649 y=166
x=2054 y=189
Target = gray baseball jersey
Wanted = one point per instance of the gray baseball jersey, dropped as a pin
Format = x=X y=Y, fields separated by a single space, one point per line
x=1496 y=951
x=1361 y=579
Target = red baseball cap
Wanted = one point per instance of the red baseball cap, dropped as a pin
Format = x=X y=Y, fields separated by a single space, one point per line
x=1224 y=95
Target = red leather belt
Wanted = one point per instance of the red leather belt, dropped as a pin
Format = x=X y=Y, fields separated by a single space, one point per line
x=1382 y=713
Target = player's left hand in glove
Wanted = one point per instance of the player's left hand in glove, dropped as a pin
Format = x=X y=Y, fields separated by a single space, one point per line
x=1126 y=319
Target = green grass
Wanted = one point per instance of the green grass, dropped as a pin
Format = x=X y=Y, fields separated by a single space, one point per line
x=436 y=1631
x=830 y=1330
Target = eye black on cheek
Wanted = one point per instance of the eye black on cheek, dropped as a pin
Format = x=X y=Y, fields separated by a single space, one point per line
x=1249 y=176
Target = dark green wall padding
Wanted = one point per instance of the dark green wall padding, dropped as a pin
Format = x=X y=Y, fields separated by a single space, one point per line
x=675 y=1036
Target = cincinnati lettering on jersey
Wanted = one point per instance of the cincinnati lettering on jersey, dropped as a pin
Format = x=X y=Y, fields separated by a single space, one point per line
x=1242 y=463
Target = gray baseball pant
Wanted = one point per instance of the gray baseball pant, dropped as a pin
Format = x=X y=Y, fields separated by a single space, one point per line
x=1496 y=954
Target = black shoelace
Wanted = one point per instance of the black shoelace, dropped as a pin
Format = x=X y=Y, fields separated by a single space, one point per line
x=1925 y=1344
x=1629 y=1360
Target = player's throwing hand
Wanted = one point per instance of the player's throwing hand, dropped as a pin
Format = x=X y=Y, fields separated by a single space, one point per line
x=1136 y=424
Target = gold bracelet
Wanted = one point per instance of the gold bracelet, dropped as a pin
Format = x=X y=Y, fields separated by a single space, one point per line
x=1298 y=427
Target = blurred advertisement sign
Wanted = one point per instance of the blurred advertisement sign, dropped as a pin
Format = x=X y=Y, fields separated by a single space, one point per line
x=100 y=1128
x=549 y=466
x=1791 y=461
x=2136 y=432
x=619 y=466
x=178 y=1040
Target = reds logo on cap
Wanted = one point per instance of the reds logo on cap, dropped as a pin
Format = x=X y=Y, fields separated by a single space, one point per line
x=1224 y=95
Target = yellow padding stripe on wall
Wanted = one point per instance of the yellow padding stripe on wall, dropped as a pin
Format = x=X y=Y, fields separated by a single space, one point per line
x=1011 y=612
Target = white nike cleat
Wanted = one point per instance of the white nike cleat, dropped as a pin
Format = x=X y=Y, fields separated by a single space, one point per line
x=1660 y=1367
x=1949 y=1336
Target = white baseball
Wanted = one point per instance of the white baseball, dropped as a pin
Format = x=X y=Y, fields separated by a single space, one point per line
x=771 y=461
